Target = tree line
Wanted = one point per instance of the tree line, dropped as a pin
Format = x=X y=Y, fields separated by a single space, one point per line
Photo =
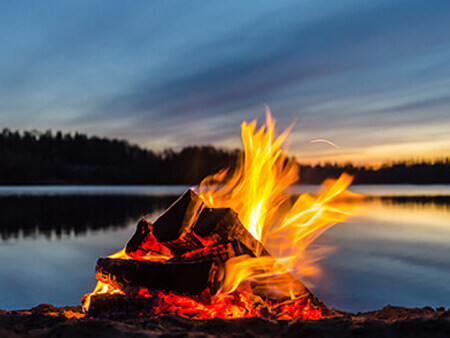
x=32 y=157
x=64 y=215
x=396 y=173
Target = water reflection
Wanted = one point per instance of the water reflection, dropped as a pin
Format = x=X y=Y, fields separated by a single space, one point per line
x=54 y=216
x=72 y=215
x=395 y=253
x=417 y=202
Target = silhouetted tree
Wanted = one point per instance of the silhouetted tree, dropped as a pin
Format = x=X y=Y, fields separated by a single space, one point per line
x=31 y=157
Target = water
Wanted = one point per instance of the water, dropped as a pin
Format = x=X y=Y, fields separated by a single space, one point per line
x=396 y=253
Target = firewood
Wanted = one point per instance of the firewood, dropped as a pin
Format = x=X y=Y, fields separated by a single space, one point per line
x=131 y=275
x=188 y=221
x=224 y=225
x=173 y=227
x=295 y=307
x=119 y=306
x=115 y=306
x=200 y=241
x=292 y=291
x=219 y=252
x=144 y=243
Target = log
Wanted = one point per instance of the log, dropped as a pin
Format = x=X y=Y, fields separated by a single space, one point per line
x=292 y=291
x=117 y=306
x=279 y=288
x=131 y=276
x=223 y=225
x=183 y=231
x=296 y=307
x=188 y=224
x=144 y=243
x=173 y=227
x=219 y=253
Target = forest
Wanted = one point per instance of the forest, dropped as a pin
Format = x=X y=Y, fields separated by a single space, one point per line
x=41 y=158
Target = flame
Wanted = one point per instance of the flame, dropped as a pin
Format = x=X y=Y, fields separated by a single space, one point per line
x=101 y=287
x=286 y=226
x=257 y=191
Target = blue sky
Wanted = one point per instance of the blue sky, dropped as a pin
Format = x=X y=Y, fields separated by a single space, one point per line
x=371 y=76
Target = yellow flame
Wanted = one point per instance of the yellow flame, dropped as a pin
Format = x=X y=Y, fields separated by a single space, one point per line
x=256 y=190
x=101 y=287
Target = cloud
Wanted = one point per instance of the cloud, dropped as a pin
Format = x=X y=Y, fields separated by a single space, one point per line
x=169 y=75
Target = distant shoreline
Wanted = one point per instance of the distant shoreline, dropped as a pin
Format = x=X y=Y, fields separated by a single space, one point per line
x=369 y=190
x=31 y=158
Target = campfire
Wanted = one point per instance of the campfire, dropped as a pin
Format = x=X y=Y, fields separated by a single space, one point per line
x=235 y=246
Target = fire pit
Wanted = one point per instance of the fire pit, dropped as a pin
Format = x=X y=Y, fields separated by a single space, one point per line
x=233 y=247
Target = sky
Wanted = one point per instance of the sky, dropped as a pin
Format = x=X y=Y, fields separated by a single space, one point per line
x=370 y=76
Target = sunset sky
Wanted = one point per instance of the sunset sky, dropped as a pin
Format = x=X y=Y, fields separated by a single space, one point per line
x=370 y=76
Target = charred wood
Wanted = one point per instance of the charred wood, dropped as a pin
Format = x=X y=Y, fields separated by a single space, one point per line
x=144 y=243
x=285 y=289
x=131 y=275
x=188 y=224
x=117 y=306
x=113 y=306
x=220 y=252
x=173 y=227
x=223 y=225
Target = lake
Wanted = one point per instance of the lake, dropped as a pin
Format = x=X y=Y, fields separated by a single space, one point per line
x=397 y=252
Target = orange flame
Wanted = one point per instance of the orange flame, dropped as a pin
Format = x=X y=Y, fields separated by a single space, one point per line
x=256 y=190
x=101 y=287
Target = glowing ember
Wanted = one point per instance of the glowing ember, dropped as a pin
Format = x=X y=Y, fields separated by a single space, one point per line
x=257 y=191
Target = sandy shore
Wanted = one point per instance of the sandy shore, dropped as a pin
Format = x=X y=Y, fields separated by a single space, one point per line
x=49 y=321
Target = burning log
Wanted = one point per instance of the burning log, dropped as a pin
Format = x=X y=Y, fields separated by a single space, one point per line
x=131 y=276
x=178 y=217
x=116 y=306
x=185 y=227
x=144 y=243
x=224 y=225
x=173 y=227
x=286 y=289
x=219 y=252
x=188 y=223
x=204 y=306
x=195 y=242
x=119 y=306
